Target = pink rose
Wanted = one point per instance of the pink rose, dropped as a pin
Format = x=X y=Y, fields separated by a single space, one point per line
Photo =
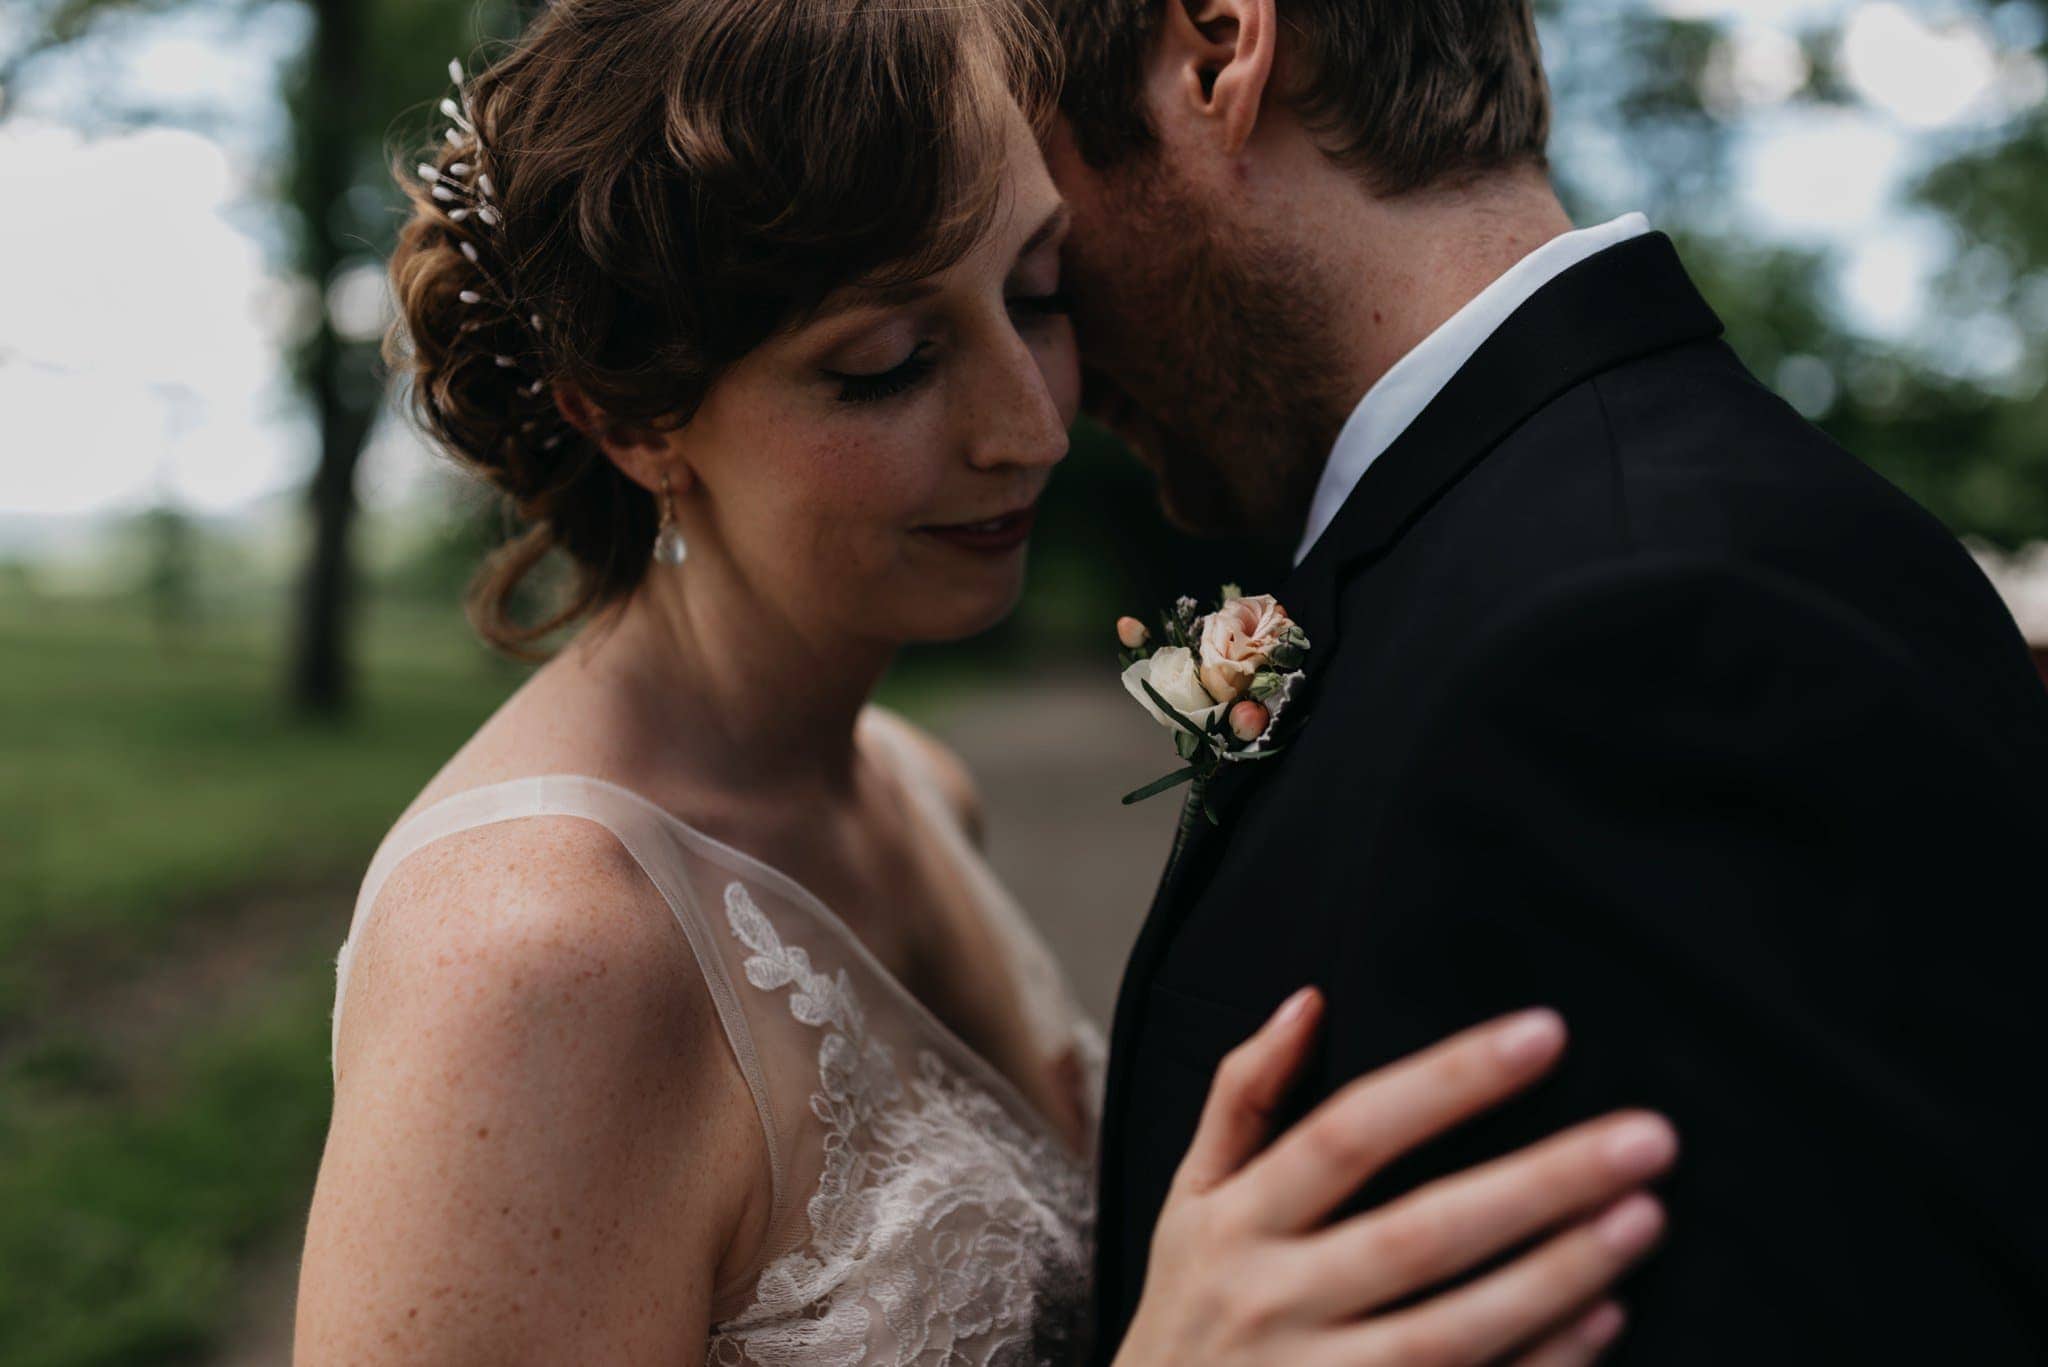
x=1237 y=640
x=1131 y=633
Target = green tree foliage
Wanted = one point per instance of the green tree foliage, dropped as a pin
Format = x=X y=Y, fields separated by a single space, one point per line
x=363 y=64
x=1967 y=444
x=1639 y=126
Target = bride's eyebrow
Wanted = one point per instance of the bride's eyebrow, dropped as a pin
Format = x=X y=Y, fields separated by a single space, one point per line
x=854 y=298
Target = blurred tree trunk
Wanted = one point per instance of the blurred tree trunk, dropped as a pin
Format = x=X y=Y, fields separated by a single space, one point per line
x=321 y=673
x=364 y=60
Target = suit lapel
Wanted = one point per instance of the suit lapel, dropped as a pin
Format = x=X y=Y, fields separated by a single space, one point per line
x=1628 y=301
x=1631 y=300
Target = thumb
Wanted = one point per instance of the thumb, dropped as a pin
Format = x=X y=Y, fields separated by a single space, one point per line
x=1250 y=1084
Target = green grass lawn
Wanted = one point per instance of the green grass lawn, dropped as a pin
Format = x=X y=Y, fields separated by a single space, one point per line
x=142 y=776
x=129 y=1201
x=147 y=781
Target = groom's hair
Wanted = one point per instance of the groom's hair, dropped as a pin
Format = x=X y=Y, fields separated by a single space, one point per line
x=1406 y=93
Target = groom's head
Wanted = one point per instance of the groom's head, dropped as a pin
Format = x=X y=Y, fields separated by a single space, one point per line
x=1242 y=173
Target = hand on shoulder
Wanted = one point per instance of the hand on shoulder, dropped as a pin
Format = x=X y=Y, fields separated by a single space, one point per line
x=530 y=1076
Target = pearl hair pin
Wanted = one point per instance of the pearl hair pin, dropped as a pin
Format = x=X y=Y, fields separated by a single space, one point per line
x=464 y=185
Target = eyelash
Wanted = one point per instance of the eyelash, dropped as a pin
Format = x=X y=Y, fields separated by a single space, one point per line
x=1055 y=305
x=889 y=383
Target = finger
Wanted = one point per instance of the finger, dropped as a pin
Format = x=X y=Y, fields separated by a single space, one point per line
x=1311 y=1169
x=1249 y=1086
x=1483 y=1321
x=1461 y=1221
x=1581 y=1342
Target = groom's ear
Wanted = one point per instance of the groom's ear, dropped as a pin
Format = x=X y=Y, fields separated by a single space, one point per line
x=1219 y=57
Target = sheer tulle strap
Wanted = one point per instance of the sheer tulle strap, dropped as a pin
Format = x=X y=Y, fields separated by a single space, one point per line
x=1057 y=1021
x=638 y=824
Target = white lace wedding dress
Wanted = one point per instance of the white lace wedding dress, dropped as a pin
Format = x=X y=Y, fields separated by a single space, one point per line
x=924 y=1211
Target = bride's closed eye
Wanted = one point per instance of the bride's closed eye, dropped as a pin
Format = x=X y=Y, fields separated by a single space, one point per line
x=886 y=384
x=874 y=386
x=1041 y=306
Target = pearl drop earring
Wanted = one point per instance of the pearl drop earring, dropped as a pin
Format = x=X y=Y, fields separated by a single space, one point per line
x=668 y=543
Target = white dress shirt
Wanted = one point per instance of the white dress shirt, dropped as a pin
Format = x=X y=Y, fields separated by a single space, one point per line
x=1404 y=391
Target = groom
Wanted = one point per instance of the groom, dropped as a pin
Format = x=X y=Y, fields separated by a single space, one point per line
x=1633 y=695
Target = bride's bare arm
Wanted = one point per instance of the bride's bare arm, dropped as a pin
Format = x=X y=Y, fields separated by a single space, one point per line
x=541 y=1149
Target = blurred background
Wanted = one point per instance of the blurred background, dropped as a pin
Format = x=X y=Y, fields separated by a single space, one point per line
x=230 y=640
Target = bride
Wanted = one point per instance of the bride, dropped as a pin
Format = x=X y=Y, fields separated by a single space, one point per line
x=680 y=1018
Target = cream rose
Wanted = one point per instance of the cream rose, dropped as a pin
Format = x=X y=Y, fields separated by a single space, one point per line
x=1237 y=640
x=1172 y=674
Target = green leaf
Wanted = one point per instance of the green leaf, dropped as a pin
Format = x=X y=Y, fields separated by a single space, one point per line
x=1185 y=745
x=1231 y=591
x=1158 y=786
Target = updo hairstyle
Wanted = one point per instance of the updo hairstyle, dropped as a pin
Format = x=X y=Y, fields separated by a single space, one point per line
x=671 y=183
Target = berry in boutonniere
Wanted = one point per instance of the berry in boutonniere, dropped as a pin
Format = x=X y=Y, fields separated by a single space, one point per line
x=1219 y=682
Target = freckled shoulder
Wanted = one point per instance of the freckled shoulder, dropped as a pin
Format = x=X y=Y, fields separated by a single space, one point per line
x=943 y=767
x=551 y=911
x=531 y=1078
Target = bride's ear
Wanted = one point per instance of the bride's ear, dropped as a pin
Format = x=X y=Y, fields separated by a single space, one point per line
x=1221 y=54
x=644 y=453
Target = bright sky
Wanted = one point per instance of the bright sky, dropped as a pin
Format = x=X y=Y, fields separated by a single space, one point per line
x=139 y=321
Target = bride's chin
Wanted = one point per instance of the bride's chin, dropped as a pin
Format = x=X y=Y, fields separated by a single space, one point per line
x=963 y=615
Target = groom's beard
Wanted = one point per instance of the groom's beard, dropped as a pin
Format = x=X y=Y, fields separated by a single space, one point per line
x=1212 y=355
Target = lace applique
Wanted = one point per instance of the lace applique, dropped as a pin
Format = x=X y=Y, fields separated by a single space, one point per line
x=943 y=1231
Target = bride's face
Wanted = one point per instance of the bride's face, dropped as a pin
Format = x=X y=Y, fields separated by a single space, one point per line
x=875 y=472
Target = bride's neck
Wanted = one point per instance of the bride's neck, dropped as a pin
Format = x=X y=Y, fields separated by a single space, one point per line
x=762 y=704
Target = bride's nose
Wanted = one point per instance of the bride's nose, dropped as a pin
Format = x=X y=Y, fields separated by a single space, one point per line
x=1013 y=418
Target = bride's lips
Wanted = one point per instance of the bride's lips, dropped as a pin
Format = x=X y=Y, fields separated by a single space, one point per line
x=996 y=536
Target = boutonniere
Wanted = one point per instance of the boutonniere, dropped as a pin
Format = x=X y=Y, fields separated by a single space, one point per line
x=1219 y=682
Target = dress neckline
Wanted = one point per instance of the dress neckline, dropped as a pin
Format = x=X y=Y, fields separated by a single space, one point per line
x=832 y=922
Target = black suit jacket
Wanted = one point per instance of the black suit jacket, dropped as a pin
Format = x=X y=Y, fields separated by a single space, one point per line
x=1633 y=695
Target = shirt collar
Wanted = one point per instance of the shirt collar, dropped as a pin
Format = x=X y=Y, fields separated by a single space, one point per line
x=1417 y=378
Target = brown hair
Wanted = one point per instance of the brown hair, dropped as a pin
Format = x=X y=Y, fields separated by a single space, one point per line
x=674 y=182
x=1407 y=93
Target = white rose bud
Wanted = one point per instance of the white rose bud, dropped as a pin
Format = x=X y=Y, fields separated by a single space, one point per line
x=1172 y=674
x=1249 y=720
x=1132 y=633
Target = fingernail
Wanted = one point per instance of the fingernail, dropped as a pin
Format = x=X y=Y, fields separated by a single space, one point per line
x=1632 y=1226
x=1640 y=1147
x=1603 y=1326
x=1292 y=1009
x=1530 y=1037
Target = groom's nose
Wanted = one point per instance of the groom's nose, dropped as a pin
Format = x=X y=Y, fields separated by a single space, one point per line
x=1014 y=419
